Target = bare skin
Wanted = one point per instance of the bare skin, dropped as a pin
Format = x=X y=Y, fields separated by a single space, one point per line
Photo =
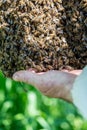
x=55 y=84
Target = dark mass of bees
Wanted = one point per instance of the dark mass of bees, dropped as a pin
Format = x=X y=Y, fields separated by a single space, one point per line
x=42 y=34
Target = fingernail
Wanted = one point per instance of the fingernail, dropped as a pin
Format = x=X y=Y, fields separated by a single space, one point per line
x=15 y=77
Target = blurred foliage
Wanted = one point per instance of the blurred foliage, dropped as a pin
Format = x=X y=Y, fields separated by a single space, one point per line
x=30 y=110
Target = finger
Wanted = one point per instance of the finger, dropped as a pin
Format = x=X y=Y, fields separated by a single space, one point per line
x=64 y=70
x=40 y=73
x=26 y=76
x=32 y=70
x=21 y=76
x=76 y=72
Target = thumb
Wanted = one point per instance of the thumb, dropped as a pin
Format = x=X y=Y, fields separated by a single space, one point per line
x=26 y=76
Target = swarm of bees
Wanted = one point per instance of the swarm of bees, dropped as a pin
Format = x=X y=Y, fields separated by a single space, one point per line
x=42 y=34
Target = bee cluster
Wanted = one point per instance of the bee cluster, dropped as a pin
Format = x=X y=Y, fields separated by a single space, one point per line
x=42 y=34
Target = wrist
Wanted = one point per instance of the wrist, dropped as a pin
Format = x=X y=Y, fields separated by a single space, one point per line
x=67 y=94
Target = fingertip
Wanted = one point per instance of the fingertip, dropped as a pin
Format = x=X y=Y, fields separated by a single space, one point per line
x=16 y=76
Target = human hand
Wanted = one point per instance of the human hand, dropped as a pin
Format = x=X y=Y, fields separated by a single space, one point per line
x=56 y=84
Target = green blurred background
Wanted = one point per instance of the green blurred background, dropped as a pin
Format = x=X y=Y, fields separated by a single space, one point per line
x=21 y=110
